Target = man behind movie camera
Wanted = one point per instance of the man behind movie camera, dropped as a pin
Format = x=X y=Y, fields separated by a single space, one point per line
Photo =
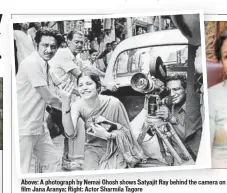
x=176 y=114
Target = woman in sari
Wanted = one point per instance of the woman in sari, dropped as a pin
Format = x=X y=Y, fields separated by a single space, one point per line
x=218 y=108
x=103 y=150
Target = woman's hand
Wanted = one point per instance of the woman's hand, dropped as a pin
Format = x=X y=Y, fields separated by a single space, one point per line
x=98 y=131
x=112 y=87
x=65 y=91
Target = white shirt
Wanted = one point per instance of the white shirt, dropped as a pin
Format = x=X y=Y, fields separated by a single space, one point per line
x=108 y=56
x=32 y=31
x=109 y=38
x=60 y=66
x=30 y=104
x=218 y=119
x=24 y=44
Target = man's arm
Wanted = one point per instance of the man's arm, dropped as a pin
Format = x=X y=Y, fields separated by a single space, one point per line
x=103 y=54
x=76 y=72
x=49 y=97
x=97 y=71
x=164 y=113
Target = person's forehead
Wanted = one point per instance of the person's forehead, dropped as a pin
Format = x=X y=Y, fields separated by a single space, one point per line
x=48 y=40
x=78 y=37
x=173 y=83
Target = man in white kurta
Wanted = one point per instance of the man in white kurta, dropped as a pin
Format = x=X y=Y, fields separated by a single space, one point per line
x=24 y=42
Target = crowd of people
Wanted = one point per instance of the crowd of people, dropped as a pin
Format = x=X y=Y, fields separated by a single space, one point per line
x=57 y=76
x=96 y=50
x=57 y=72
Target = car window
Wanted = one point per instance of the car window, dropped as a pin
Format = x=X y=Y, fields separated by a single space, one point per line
x=122 y=63
x=138 y=60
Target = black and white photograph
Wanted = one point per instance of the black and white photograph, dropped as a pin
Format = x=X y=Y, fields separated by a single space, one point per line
x=109 y=93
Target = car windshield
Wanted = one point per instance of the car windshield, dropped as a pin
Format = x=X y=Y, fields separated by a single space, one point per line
x=140 y=59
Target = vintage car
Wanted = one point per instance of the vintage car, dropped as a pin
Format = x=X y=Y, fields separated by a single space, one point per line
x=139 y=54
x=135 y=54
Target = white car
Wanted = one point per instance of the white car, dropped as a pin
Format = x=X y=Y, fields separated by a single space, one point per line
x=138 y=54
x=134 y=55
x=156 y=40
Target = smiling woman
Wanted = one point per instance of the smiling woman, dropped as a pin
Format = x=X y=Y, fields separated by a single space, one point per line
x=218 y=109
x=103 y=149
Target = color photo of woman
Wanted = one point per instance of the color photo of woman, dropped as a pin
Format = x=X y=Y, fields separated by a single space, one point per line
x=218 y=108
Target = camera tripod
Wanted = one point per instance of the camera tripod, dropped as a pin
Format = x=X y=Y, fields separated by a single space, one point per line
x=165 y=133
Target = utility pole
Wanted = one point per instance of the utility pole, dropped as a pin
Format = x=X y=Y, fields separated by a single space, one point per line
x=129 y=27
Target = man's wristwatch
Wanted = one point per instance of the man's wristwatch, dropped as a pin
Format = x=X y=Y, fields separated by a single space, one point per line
x=66 y=112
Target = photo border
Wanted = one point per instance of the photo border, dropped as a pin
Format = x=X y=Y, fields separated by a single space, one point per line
x=5 y=69
x=201 y=162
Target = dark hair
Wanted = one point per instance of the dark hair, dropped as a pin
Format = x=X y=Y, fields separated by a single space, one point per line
x=113 y=42
x=93 y=77
x=45 y=24
x=91 y=51
x=32 y=24
x=16 y=26
x=219 y=43
x=108 y=44
x=72 y=32
x=48 y=32
x=180 y=77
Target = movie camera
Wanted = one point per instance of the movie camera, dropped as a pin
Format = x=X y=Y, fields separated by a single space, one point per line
x=156 y=95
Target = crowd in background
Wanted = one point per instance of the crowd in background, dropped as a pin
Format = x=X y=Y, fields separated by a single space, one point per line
x=51 y=68
x=46 y=60
x=97 y=46
x=96 y=49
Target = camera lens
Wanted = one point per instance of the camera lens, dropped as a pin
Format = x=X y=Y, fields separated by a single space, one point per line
x=139 y=82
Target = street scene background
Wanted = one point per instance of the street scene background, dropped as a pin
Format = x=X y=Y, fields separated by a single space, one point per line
x=101 y=35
